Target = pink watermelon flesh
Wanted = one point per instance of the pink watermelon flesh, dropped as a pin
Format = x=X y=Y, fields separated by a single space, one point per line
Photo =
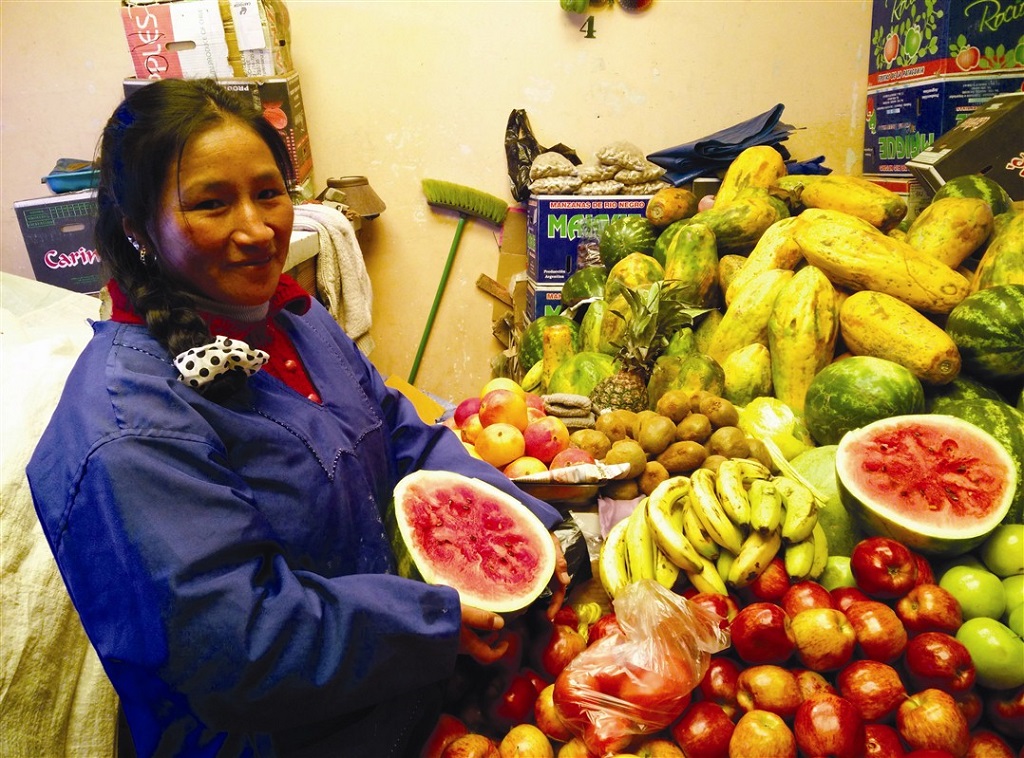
x=934 y=482
x=471 y=536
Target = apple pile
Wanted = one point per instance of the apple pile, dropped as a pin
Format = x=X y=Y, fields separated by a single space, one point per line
x=886 y=663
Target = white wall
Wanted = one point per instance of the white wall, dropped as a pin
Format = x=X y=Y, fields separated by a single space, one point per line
x=400 y=90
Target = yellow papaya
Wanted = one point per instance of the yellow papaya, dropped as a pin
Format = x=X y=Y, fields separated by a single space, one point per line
x=880 y=207
x=951 y=228
x=746 y=320
x=556 y=349
x=1003 y=260
x=760 y=166
x=705 y=330
x=854 y=254
x=691 y=258
x=777 y=248
x=738 y=225
x=748 y=374
x=728 y=267
x=670 y=204
x=879 y=325
x=802 y=330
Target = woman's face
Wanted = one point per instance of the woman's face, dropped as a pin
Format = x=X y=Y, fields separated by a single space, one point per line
x=225 y=217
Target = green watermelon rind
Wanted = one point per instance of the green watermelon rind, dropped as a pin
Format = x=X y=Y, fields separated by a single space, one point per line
x=853 y=392
x=882 y=519
x=414 y=563
x=584 y=284
x=959 y=389
x=624 y=235
x=975 y=185
x=987 y=327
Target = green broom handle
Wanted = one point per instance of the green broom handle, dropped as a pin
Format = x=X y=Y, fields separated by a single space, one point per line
x=437 y=298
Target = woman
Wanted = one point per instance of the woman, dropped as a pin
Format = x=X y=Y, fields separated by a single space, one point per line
x=219 y=531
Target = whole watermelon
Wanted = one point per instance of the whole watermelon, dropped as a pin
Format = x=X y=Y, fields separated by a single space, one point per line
x=624 y=235
x=976 y=185
x=988 y=329
x=531 y=344
x=960 y=388
x=853 y=392
x=584 y=284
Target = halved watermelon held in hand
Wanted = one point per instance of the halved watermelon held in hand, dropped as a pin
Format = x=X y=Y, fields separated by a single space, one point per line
x=451 y=529
x=936 y=483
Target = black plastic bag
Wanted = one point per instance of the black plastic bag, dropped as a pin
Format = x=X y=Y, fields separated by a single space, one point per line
x=521 y=147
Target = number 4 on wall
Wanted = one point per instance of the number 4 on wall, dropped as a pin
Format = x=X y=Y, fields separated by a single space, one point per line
x=588 y=28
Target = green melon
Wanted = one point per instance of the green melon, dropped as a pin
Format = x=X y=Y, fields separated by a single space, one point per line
x=818 y=467
x=531 y=344
x=988 y=329
x=853 y=392
x=632 y=272
x=584 y=284
x=450 y=529
x=581 y=373
x=976 y=185
x=1002 y=421
x=936 y=483
x=624 y=235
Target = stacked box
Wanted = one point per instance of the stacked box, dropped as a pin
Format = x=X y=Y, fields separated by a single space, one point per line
x=59 y=236
x=932 y=63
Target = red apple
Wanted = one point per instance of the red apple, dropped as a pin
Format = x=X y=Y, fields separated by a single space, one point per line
x=472 y=745
x=931 y=720
x=772 y=583
x=929 y=608
x=726 y=606
x=768 y=687
x=987 y=744
x=1005 y=712
x=446 y=731
x=720 y=684
x=829 y=725
x=605 y=625
x=925 y=573
x=565 y=643
x=883 y=567
x=762 y=734
x=882 y=741
x=825 y=640
x=546 y=717
x=843 y=596
x=571 y=456
x=465 y=409
x=875 y=689
x=763 y=633
x=937 y=659
x=810 y=682
x=803 y=595
x=972 y=706
x=881 y=635
x=515 y=703
x=704 y=730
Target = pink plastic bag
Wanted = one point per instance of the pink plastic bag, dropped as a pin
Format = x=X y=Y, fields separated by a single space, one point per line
x=638 y=680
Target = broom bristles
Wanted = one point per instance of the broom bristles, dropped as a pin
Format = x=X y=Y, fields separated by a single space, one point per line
x=465 y=200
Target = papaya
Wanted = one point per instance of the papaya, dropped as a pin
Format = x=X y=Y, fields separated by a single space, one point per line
x=683 y=342
x=856 y=255
x=692 y=372
x=802 y=331
x=631 y=272
x=670 y=204
x=705 y=330
x=746 y=320
x=777 y=248
x=760 y=166
x=590 y=327
x=557 y=349
x=951 y=228
x=879 y=325
x=691 y=258
x=737 y=226
x=748 y=374
x=1003 y=260
x=880 y=207
x=728 y=267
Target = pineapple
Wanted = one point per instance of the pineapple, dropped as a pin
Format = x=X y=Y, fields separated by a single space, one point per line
x=655 y=313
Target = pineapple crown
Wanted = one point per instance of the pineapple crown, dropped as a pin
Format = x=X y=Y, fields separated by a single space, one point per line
x=655 y=312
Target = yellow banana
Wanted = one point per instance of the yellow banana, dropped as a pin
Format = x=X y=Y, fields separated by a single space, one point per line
x=758 y=551
x=799 y=558
x=665 y=507
x=711 y=513
x=731 y=492
x=820 y=540
x=639 y=544
x=752 y=469
x=707 y=579
x=612 y=567
x=532 y=379
x=765 y=506
x=801 y=509
x=666 y=573
x=723 y=564
x=697 y=534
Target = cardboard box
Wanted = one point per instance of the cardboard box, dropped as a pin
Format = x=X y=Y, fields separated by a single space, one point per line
x=540 y=298
x=556 y=225
x=990 y=142
x=258 y=37
x=58 y=232
x=280 y=99
x=902 y=121
x=181 y=39
x=914 y=194
x=919 y=39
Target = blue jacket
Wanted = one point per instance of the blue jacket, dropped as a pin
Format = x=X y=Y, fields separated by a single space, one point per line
x=229 y=561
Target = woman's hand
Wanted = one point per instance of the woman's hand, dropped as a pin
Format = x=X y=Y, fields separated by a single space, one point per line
x=559 y=580
x=479 y=637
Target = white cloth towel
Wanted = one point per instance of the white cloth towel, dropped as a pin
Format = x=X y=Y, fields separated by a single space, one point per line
x=341 y=273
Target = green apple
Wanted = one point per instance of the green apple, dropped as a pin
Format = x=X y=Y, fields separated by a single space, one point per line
x=837 y=573
x=1014 y=587
x=1015 y=620
x=1002 y=552
x=979 y=591
x=997 y=652
x=967 y=559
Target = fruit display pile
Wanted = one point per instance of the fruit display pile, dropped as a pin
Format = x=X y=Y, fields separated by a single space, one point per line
x=819 y=410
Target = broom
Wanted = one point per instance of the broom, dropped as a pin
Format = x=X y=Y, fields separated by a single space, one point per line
x=466 y=202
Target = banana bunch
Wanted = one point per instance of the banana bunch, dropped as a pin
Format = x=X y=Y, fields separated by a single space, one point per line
x=720 y=529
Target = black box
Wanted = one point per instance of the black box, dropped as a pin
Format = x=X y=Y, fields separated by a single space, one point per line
x=59 y=236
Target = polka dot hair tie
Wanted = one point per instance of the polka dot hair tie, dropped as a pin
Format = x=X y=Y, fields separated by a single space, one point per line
x=200 y=365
